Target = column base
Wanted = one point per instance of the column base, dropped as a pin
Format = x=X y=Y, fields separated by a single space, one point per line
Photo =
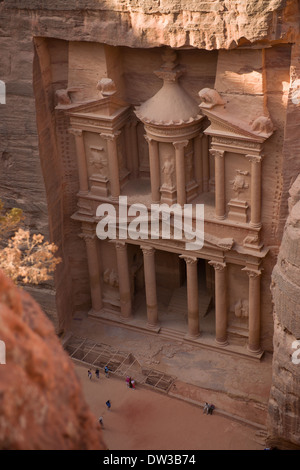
x=255 y=351
x=152 y=327
x=255 y=225
x=221 y=342
x=220 y=217
x=190 y=337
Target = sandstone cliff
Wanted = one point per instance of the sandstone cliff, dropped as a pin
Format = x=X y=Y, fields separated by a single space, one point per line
x=284 y=404
x=41 y=402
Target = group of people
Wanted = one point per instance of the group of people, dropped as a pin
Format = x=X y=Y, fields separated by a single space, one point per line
x=97 y=373
x=208 y=408
x=130 y=382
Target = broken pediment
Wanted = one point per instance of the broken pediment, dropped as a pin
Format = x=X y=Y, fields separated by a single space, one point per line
x=228 y=118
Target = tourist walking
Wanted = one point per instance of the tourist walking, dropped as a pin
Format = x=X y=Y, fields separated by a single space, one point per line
x=90 y=374
x=206 y=408
x=132 y=384
x=106 y=371
x=97 y=373
x=101 y=421
x=108 y=404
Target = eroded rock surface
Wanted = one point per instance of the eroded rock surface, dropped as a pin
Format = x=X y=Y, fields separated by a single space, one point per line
x=284 y=404
x=41 y=402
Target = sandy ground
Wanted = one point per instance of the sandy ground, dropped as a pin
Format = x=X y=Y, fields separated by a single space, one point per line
x=142 y=419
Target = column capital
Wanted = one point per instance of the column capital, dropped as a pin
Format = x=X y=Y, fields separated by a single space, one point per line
x=217 y=265
x=76 y=132
x=120 y=245
x=180 y=144
x=149 y=139
x=254 y=158
x=189 y=259
x=110 y=136
x=252 y=273
x=147 y=250
x=88 y=237
x=216 y=153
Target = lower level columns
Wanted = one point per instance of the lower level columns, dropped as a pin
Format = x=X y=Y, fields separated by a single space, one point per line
x=124 y=280
x=192 y=295
x=220 y=302
x=254 y=310
x=94 y=271
x=150 y=286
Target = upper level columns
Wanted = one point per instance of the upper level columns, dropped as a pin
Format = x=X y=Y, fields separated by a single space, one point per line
x=154 y=168
x=255 y=161
x=180 y=170
x=113 y=163
x=81 y=160
x=219 y=183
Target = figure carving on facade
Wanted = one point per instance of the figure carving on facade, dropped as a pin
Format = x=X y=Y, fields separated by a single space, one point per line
x=210 y=98
x=110 y=277
x=262 y=124
x=98 y=161
x=241 y=309
x=106 y=86
x=239 y=183
x=168 y=170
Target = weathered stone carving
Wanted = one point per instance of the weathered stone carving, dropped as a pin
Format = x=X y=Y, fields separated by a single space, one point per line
x=210 y=98
x=263 y=125
x=111 y=278
x=241 y=308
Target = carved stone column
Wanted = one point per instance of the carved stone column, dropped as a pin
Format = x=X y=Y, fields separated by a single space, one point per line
x=219 y=183
x=192 y=295
x=94 y=271
x=220 y=302
x=150 y=286
x=180 y=170
x=255 y=190
x=205 y=163
x=81 y=160
x=124 y=279
x=198 y=162
x=134 y=147
x=254 y=309
x=154 y=168
x=113 y=163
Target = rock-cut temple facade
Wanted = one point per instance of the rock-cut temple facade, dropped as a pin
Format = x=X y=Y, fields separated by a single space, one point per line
x=162 y=103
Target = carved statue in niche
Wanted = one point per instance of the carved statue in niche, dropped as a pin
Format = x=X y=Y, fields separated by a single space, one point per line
x=241 y=309
x=168 y=170
x=98 y=161
x=110 y=277
x=239 y=183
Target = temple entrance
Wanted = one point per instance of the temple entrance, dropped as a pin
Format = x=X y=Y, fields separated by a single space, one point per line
x=171 y=292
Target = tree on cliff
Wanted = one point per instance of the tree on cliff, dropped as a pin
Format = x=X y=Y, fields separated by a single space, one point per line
x=25 y=258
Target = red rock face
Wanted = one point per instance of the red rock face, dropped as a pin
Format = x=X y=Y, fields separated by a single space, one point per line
x=41 y=402
x=284 y=403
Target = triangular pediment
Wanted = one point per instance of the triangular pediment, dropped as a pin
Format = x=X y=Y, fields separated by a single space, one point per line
x=225 y=125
